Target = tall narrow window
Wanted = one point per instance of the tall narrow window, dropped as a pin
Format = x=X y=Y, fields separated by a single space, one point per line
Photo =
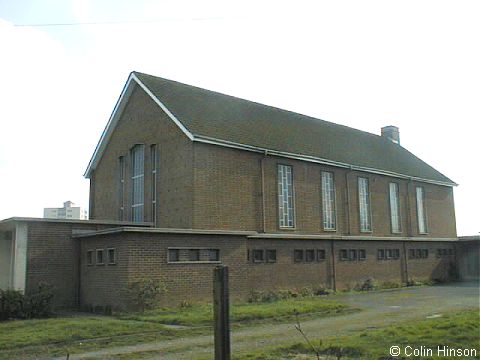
x=137 y=183
x=421 y=213
x=285 y=197
x=328 y=201
x=121 y=187
x=153 y=160
x=395 y=208
x=364 y=204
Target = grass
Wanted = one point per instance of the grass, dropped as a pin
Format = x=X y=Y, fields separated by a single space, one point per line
x=245 y=312
x=56 y=336
x=456 y=330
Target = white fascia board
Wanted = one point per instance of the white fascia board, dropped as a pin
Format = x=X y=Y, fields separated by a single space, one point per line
x=163 y=107
x=234 y=145
x=111 y=124
x=115 y=116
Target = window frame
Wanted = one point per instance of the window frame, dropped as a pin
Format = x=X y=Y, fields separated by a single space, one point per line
x=90 y=257
x=333 y=202
x=196 y=255
x=114 y=262
x=258 y=251
x=359 y=254
x=154 y=171
x=364 y=207
x=323 y=257
x=382 y=252
x=297 y=259
x=100 y=251
x=312 y=257
x=422 y=218
x=281 y=202
x=217 y=255
x=121 y=187
x=395 y=205
x=343 y=255
x=268 y=258
x=138 y=183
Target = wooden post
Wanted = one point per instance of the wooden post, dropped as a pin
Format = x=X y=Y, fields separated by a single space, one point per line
x=221 y=313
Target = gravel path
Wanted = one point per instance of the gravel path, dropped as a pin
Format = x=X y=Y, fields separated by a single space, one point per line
x=378 y=309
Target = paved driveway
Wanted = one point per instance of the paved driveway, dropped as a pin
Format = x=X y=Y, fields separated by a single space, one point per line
x=379 y=309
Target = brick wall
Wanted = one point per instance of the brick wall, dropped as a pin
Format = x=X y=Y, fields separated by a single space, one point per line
x=145 y=255
x=142 y=122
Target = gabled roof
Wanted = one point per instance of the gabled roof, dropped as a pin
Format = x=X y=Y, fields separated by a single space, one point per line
x=211 y=117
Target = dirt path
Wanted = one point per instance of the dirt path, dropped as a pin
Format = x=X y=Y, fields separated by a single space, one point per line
x=379 y=309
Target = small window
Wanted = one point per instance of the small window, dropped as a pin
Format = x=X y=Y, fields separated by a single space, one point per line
x=213 y=255
x=90 y=257
x=344 y=254
x=309 y=255
x=257 y=256
x=396 y=254
x=439 y=253
x=100 y=257
x=111 y=256
x=411 y=253
x=388 y=254
x=424 y=254
x=298 y=255
x=418 y=253
x=320 y=255
x=362 y=254
x=193 y=255
x=380 y=254
x=271 y=256
x=173 y=255
x=352 y=254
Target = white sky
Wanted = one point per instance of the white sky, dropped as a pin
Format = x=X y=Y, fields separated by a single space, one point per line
x=365 y=64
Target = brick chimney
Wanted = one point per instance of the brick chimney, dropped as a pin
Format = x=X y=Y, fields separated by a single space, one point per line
x=391 y=133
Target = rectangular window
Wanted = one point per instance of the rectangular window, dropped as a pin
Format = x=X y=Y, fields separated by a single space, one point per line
x=396 y=254
x=411 y=253
x=328 y=201
x=173 y=255
x=380 y=254
x=298 y=255
x=286 y=215
x=320 y=255
x=213 y=255
x=344 y=254
x=424 y=254
x=153 y=162
x=309 y=255
x=362 y=254
x=395 y=208
x=137 y=183
x=271 y=256
x=352 y=254
x=194 y=255
x=364 y=205
x=100 y=257
x=388 y=254
x=90 y=257
x=421 y=213
x=111 y=256
x=258 y=256
x=121 y=187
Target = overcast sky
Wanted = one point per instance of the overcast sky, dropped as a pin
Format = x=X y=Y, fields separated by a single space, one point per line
x=365 y=64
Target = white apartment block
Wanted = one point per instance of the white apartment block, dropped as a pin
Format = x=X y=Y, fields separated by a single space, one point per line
x=69 y=211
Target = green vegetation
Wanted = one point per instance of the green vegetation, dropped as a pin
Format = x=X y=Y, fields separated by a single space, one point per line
x=457 y=330
x=245 y=312
x=59 y=336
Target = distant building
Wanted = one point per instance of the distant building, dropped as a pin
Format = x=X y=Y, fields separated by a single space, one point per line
x=69 y=211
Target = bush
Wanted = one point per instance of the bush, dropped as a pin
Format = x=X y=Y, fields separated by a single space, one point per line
x=275 y=295
x=146 y=293
x=16 y=305
x=366 y=285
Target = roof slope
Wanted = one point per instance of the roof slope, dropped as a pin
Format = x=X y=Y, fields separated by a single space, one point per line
x=214 y=115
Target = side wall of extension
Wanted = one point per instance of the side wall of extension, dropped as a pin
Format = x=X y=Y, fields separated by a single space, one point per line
x=145 y=255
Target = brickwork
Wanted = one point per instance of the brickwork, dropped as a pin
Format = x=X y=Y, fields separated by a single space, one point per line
x=142 y=122
x=143 y=255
